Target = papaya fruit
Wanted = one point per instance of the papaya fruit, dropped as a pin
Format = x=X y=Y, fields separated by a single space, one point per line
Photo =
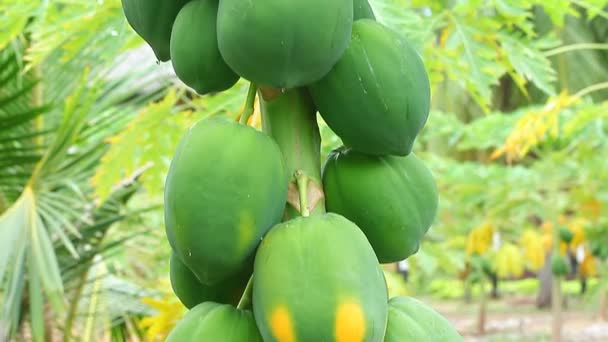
x=316 y=278
x=226 y=187
x=377 y=97
x=192 y=292
x=565 y=234
x=362 y=10
x=195 y=56
x=283 y=44
x=412 y=320
x=153 y=20
x=559 y=265
x=393 y=199
x=211 y=322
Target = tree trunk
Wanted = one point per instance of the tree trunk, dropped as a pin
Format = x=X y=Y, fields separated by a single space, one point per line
x=481 y=317
x=545 y=278
x=494 y=293
x=604 y=305
x=557 y=310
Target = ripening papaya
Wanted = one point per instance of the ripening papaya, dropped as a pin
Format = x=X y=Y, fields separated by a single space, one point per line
x=362 y=10
x=195 y=56
x=283 y=44
x=317 y=279
x=153 y=20
x=377 y=97
x=412 y=320
x=213 y=322
x=393 y=199
x=226 y=187
x=191 y=292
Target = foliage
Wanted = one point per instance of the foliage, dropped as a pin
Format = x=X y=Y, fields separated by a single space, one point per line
x=516 y=140
x=58 y=103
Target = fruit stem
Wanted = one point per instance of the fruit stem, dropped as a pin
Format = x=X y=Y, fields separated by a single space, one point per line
x=302 y=182
x=290 y=118
x=249 y=103
x=245 y=301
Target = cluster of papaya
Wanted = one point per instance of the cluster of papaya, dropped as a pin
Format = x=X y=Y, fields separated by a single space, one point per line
x=246 y=269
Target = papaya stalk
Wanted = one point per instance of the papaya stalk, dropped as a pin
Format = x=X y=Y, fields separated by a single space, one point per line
x=245 y=301
x=302 y=182
x=290 y=119
x=249 y=104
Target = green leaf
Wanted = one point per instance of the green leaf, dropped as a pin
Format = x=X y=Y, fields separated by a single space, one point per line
x=528 y=61
x=36 y=307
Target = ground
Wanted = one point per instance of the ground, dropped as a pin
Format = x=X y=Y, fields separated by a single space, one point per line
x=516 y=318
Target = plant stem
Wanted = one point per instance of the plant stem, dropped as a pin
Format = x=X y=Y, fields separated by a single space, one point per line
x=290 y=119
x=245 y=301
x=302 y=182
x=67 y=331
x=592 y=88
x=249 y=104
x=576 y=47
x=37 y=101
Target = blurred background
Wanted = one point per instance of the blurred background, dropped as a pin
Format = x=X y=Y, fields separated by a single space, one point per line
x=516 y=140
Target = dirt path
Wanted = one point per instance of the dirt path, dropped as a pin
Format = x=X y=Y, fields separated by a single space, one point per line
x=517 y=319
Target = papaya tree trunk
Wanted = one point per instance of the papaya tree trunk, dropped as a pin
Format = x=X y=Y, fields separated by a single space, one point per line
x=494 y=279
x=290 y=118
x=557 y=309
x=545 y=279
x=604 y=305
x=483 y=308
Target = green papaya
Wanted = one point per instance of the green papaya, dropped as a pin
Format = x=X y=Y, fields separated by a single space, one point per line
x=392 y=199
x=412 y=320
x=559 y=265
x=215 y=322
x=195 y=56
x=317 y=279
x=226 y=187
x=283 y=44
x=362 y=10
x=153 y=20
x=377 y=97
x=192 y=292
x=565 y=234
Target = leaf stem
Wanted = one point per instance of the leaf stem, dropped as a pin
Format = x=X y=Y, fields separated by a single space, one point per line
x=302 y=183
x=575 y=47
x=590 y=89
x=249 y=104
x=245 y=301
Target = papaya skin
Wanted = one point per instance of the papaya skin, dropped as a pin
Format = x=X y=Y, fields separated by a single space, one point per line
x=363 y=10
x=226 y=187
x=192 y=292
x=195 y=56
x=316 y=278
x=412 y=320
x=153 y=21
x=283 y=44
x=377 y=97
x=211 y=321
x=392 y=199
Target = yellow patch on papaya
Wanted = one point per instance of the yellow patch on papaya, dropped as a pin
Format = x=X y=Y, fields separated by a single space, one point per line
x=281 y=326
x=350 y=322
x=244 y=231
